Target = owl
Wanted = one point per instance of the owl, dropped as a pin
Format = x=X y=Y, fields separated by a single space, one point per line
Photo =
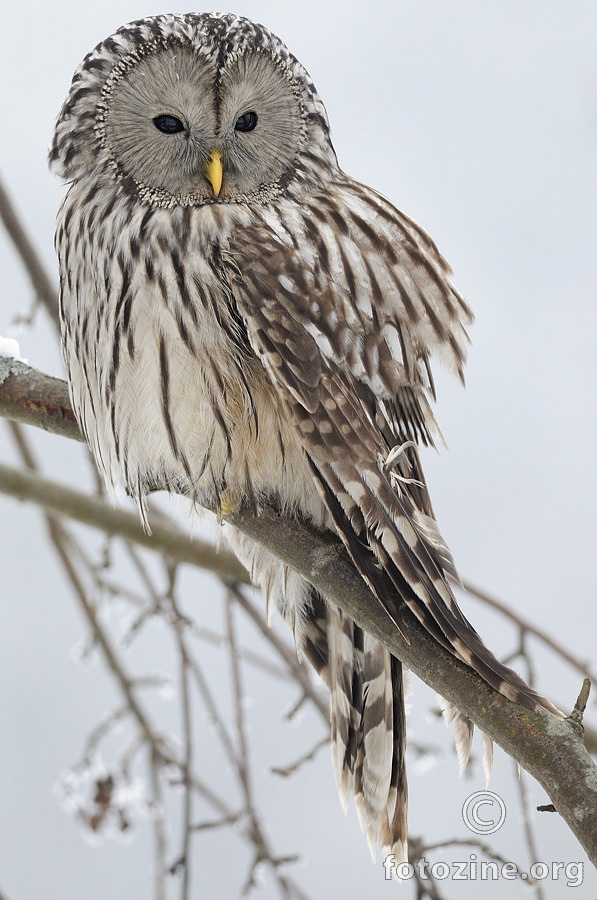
x=244 y=324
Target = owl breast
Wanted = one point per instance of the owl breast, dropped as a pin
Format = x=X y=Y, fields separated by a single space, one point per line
x=163 y=381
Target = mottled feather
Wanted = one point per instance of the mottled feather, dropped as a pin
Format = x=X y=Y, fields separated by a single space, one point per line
x=266 y=341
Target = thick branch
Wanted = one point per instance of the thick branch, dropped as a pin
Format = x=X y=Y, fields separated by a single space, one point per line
x=29 y=396
x=551 y=749
x=547 y=747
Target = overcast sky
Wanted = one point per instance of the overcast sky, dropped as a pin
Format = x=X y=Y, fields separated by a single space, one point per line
x=480 y=121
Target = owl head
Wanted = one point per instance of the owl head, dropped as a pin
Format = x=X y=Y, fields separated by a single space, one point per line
x=194 y=109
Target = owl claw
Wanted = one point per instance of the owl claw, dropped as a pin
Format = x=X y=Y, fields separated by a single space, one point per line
x=225 y=507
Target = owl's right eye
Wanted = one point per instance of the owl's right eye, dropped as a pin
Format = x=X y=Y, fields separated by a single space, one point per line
x=168 y=124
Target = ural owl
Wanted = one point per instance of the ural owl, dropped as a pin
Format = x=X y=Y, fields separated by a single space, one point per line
x=243 y=323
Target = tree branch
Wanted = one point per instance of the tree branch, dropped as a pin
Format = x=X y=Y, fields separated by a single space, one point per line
x=65 y=501
x=33 y=398
x=44 y=290
x=549 y=748
x=527 y=627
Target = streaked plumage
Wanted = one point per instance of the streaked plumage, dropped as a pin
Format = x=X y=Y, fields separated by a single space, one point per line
x=266 y=341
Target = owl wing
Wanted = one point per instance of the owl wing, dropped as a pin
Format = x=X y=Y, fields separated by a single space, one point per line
x=344 y=299
x=368 y=285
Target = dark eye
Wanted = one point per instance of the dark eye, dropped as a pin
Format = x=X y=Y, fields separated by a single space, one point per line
x=168 y=124
x=246 y=122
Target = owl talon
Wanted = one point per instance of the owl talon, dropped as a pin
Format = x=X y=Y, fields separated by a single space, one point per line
x=225 y=507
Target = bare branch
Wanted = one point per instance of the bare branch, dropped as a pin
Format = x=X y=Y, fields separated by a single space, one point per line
x=299 y=672
x=576 y=716
x=187 y=727
x=537 y=740
x=529 y=833
x=33 y=398
x=159 y=827
x=527 y=627
x=177 y=545
x=42 y=285
x=291 y=768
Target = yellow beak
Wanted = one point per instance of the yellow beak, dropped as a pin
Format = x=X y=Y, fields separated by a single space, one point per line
x=214 y=171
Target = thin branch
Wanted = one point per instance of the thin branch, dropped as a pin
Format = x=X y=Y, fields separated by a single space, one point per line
x=175 y=544
x=187 y=729
x=255 y=659
x=159 y=826
x=217 y=823
x=213 y=712
x=288 y=654
x=242 y=755
x=528 y=829
x=529 y=627
x=576 y=716
x=262 y=851
x=103 y=729
x=418 y=848
x=115 y=665
x=291 y=768
x=42 y=285
x=242 y=751
x=538 y=741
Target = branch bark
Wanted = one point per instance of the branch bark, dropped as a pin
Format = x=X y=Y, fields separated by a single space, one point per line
x=29 y=396
x=549 y=748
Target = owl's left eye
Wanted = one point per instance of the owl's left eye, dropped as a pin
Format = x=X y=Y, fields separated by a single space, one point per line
x=168 y=124
x=246 y=122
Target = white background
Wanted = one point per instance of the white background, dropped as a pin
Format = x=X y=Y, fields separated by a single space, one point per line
x=480 y=121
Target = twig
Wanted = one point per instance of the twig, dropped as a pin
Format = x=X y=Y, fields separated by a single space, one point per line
x=263 y=852
x=102 y=729
x=526 y=626
x=187 y=729
x=159 y=825
x=217 y=823
x=242 y=753
x=418 y=848
x=291 y=768
x=528 y=829
x=115 y=665
x=288 y=654
x=255 y=659
x=58 y=498
x=44 y=289
x=576 y=716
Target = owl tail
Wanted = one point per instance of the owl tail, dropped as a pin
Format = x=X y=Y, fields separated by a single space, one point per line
x=367 y=714
x=368 y=723
x=367 y=699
